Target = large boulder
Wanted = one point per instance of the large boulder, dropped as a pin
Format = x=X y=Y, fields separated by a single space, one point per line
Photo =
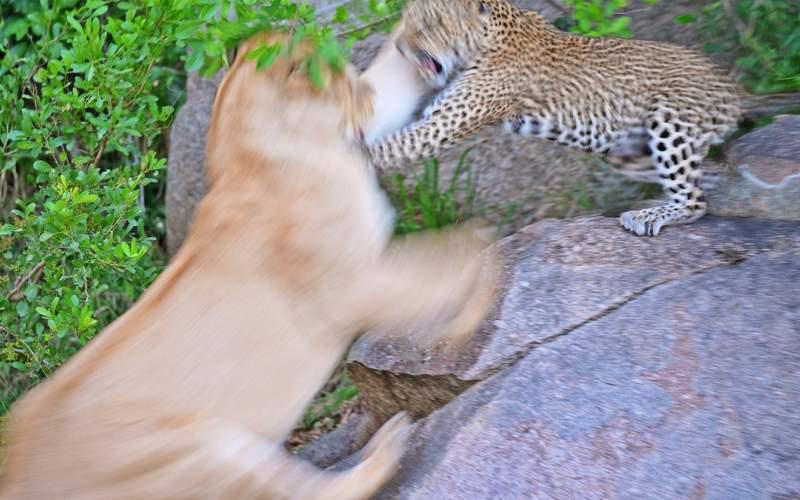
x=558 y=276
x=616 y=366
x=763 y=174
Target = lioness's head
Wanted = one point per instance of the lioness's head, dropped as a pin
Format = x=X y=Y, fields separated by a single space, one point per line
x=251 y=105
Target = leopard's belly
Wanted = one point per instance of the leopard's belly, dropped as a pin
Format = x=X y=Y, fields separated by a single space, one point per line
x=624 y=146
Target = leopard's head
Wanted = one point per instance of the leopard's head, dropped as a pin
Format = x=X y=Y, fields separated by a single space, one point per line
x=441 y=36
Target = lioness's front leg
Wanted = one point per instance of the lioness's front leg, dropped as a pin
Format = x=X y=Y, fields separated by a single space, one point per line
x=221 y=459
x=447 y=278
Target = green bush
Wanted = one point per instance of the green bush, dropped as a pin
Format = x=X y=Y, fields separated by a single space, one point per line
x=763 y=34
x=424 y=204
x=86 y=90
x=82 y=117
x=598 y=18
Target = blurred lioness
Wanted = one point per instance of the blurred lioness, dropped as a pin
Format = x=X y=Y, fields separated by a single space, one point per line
x=191 y=393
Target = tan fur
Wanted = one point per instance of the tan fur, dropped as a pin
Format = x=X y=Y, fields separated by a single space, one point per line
x=191 y=393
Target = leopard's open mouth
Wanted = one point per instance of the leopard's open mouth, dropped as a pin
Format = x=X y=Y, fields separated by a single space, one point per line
x=429 y=63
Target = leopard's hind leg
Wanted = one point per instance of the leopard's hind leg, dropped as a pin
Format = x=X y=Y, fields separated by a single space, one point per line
x=677 y=149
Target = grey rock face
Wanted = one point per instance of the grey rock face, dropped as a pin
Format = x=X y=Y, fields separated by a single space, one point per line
x=688 y=391
x=623 y=367
x=330 y=448
x=559 y=275
x=186 y=173
x=763 y=177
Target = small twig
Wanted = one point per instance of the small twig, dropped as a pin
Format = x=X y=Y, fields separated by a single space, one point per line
x=17 y=189
x=101 y=149
x=635 y=11
x=141 y=200
x=741 y=28
x=3 y=187
x=368 y=25
x=32 y=277
x=751 y=23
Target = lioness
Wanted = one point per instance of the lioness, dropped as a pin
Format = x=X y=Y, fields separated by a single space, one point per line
x=191 y=393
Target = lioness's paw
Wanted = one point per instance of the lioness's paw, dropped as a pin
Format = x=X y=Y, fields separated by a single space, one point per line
x=388 y=444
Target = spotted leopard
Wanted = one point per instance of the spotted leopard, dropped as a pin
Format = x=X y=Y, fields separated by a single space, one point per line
x=633 y=101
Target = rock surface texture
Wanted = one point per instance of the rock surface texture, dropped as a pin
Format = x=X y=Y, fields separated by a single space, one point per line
x=614 y=367
x=763 y=178
x=186 y=173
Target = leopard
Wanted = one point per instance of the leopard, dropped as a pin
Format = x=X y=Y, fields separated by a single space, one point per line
x=640 y=104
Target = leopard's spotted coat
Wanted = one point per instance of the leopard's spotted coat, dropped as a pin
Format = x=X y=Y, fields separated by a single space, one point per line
x=630 y=100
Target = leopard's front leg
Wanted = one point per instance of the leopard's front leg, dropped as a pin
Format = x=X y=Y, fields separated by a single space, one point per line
x=475 y=99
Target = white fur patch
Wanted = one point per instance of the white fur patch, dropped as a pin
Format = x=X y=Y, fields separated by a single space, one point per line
x=399 y=90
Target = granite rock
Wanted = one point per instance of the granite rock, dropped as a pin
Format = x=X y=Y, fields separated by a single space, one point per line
x=689 y=390
x=186 y=172
x=558 y=276
x=686 y=387
x=762 y=178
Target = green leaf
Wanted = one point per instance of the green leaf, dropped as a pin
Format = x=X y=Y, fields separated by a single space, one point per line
x=315 y=73
x=266 y=59
x=18 y=27
x=685 y=19
x=41 y=166
x=188 y=29
x=22 y=309
x=86 y=320
x=45 y=236
x=75 y=24
x=619 y=26
x=341 y=15
x=86 y=198
x=255 y=53
x=194 y=61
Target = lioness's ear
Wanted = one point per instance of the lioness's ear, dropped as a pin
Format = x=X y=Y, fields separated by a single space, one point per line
x=356 y=97
x=364 y=95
